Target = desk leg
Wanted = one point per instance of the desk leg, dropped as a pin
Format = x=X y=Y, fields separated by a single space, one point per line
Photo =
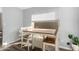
x=56 y=45
x=32 y=42
x=21 y=39
x=43 y=46
x=43 y=42
x=28 y=44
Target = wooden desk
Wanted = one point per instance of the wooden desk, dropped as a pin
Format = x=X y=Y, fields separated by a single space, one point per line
x=44 y=32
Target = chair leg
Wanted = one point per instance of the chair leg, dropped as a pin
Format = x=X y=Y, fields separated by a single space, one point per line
x=56 y=48
x=32 y=42
x=21 y=39
x=28 y=48
x=32 y=47
x=43 y=46
x=56 y=45
x=28 y=44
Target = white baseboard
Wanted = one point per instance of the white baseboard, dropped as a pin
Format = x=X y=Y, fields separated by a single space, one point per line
x=65 y=48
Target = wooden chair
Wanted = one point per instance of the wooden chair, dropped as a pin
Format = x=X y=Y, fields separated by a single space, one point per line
x=52 y=40
x=25 y=39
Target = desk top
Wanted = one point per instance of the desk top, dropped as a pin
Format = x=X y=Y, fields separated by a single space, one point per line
x=42 y=31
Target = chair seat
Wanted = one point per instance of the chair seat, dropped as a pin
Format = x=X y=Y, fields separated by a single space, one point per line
x=27 y=45
x=49 y=40
x=25 y=35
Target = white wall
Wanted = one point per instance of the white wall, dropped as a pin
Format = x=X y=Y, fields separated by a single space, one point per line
x=12 y=21
x=0 y=10
x=26 y=18
x=68 y=23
